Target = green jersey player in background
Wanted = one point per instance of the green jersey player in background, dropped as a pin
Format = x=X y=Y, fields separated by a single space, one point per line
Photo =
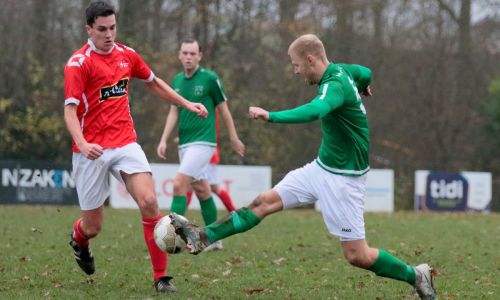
x=336 y=178
x=197 y=139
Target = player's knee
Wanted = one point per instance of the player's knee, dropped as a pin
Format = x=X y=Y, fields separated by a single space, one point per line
x=179 y=187
x=351 y=256
x=262 y=205
x=356 y=257
x=92 y=230
x=202 y=192
x=148 y=203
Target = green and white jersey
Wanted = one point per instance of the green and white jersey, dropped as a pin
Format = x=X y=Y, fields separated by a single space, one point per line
x=203 y=87
x=345 y=134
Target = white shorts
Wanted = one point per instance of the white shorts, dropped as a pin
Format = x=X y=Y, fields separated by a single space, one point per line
x=195 y=160
x=213 y=174
x=92 y=176
x=341 y=198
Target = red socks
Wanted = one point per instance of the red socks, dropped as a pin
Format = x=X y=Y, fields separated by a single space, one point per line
x=80 y=238
x=189 y=196
x=158 y=257
x=226 y=200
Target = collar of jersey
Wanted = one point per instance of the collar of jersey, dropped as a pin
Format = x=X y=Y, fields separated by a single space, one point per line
x=94 y=48
x=194 y=74
x=328 y=72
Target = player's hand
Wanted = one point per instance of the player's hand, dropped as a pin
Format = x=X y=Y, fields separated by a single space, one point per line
x=198 y=109
x=91 y=151
x=258 y=113
x=238 y=147
x=367 y=92
x=161 y=150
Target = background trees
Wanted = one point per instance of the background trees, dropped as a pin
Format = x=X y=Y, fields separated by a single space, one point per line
x=435 y=64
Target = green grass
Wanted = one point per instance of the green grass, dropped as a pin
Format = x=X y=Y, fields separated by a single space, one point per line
x=288 y=256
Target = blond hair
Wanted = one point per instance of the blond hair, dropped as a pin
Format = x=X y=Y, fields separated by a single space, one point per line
x=308 y=44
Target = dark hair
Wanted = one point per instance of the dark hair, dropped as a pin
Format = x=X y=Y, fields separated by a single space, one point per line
x=98 y=9
x=190 y=40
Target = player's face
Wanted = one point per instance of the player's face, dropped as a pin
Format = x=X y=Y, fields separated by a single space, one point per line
x=103 y=32
x=302 y=66
x=190 y=56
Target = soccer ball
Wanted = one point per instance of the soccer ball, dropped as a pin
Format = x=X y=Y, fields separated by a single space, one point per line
x=166 y=238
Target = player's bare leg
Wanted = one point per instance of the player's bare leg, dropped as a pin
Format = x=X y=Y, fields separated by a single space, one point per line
x=384 y=264
x=359 y=254
x=141 y=188
x=237 y=221
x=85 y=228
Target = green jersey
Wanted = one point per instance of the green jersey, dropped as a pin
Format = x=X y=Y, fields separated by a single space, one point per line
x=345 y=135
x=203 y=87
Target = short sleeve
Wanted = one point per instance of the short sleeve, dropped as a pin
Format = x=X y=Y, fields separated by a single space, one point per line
x=140 y=69
x=218 y=94
x=75 y=77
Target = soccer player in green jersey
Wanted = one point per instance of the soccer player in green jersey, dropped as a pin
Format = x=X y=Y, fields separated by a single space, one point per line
x=197 y=137
x=336 y=178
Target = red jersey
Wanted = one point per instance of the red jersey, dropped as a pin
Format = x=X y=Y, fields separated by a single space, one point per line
x=216 y=158
x=98 y=84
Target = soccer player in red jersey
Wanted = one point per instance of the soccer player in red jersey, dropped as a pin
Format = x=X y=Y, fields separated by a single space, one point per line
x=97 y=114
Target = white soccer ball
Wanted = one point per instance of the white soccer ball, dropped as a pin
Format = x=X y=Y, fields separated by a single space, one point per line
x=166 y=238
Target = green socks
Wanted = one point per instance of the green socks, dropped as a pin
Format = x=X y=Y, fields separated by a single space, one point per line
x=237 y=221
x=388 y=265
x=179 y=204
x=208 y=210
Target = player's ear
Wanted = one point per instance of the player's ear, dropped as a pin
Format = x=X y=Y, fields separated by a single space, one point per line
x=88 y=28
x=201 y=55
x=310 y=59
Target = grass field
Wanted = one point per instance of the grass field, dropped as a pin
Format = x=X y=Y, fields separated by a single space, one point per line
x=288 y=256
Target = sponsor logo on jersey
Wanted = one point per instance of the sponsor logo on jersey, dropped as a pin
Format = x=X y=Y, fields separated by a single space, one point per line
x=123 y=64
x=115 y=91
x=198 y=90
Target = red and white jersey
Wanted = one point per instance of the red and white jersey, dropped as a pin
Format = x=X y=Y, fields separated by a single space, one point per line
x=98 y=84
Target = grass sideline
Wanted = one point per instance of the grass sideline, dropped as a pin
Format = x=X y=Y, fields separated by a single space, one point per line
x=288 y=256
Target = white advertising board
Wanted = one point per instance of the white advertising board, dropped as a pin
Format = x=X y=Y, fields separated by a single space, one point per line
x=243 y=183
x=379 y=191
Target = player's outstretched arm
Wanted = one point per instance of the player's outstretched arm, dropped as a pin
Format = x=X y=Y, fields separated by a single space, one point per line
x=90 y=151
x=258 y=113
x=171 y=120
x=236 y=143
x=164 y=91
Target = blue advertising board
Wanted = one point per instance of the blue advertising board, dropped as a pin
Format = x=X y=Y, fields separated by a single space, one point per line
x=459 y=192
x=36 y=182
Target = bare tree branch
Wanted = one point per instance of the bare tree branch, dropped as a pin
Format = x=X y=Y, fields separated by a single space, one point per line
x=448 y=9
